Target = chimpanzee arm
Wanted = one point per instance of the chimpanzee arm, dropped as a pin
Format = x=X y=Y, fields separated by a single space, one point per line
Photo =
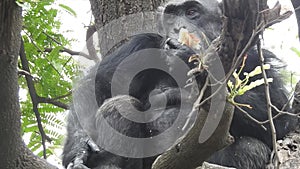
x=78 y=145
x=80 y=152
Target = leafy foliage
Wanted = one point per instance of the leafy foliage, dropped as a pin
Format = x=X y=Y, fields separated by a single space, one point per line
x=53 y=71
x=239 y=86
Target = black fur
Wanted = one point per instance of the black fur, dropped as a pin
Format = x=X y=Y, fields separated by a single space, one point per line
x=252 y=146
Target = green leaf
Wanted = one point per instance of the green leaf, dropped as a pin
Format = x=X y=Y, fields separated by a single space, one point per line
x=253 y=85
x=68 y=9
x=257 y=70
x=296 y=51
x=54 y=71
x=31 y=129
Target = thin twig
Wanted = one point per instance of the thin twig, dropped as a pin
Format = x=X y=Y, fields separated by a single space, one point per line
x=39 y=49
x=24 y=73
x=254 y=34
x=62 y=96
x=269 y=107
x=201 y=94
x=289 y=101
x=250 y=117
x=228 y=75
x=68 y=50
x=195 y=105
x=53 y=102
x=280 y=113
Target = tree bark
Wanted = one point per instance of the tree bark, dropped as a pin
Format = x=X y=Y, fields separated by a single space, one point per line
x=296 y=5
x=14 y=153
x=119 y=19
x=10 y=21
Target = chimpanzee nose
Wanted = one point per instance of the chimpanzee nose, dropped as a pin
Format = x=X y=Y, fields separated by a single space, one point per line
x=177 y=30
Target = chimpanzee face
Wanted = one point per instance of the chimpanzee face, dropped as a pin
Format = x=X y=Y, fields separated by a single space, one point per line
x=201 y=17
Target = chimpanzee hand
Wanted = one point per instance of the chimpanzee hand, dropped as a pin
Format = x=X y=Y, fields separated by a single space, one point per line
x=182 y=50
x=85 y=148
x=175 y=48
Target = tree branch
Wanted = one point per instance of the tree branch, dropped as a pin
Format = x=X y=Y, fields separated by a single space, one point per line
x=24 y=73
x=53 y=101
x=296 y=5
x=90 y=43
x=269 y=107
x=69 y=51
x=34 y=97
x=62 y=96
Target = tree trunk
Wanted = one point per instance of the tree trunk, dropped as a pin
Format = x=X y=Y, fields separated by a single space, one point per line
x=14 y=153
x=119 y=19
x=296 y=5
x=10 y=21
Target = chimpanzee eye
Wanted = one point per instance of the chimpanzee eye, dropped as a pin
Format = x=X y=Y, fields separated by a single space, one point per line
x=191 y=13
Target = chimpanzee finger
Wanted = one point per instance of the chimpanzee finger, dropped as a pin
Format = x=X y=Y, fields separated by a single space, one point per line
x=93 y=146
x=173 y=43
x=77 y=166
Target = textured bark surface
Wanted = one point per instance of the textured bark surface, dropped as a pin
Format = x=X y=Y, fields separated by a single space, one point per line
x=296 y=5
x=14 y=153
x=117 y=20
x=191 y=153
x=10 y=27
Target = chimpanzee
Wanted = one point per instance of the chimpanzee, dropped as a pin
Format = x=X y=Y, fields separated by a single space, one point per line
x=104 y=98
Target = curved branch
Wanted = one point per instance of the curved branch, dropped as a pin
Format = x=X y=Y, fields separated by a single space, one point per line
x=34 y=97
x=296 y=5
x=54 y=102
x=69 y=51
x=90 y=43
